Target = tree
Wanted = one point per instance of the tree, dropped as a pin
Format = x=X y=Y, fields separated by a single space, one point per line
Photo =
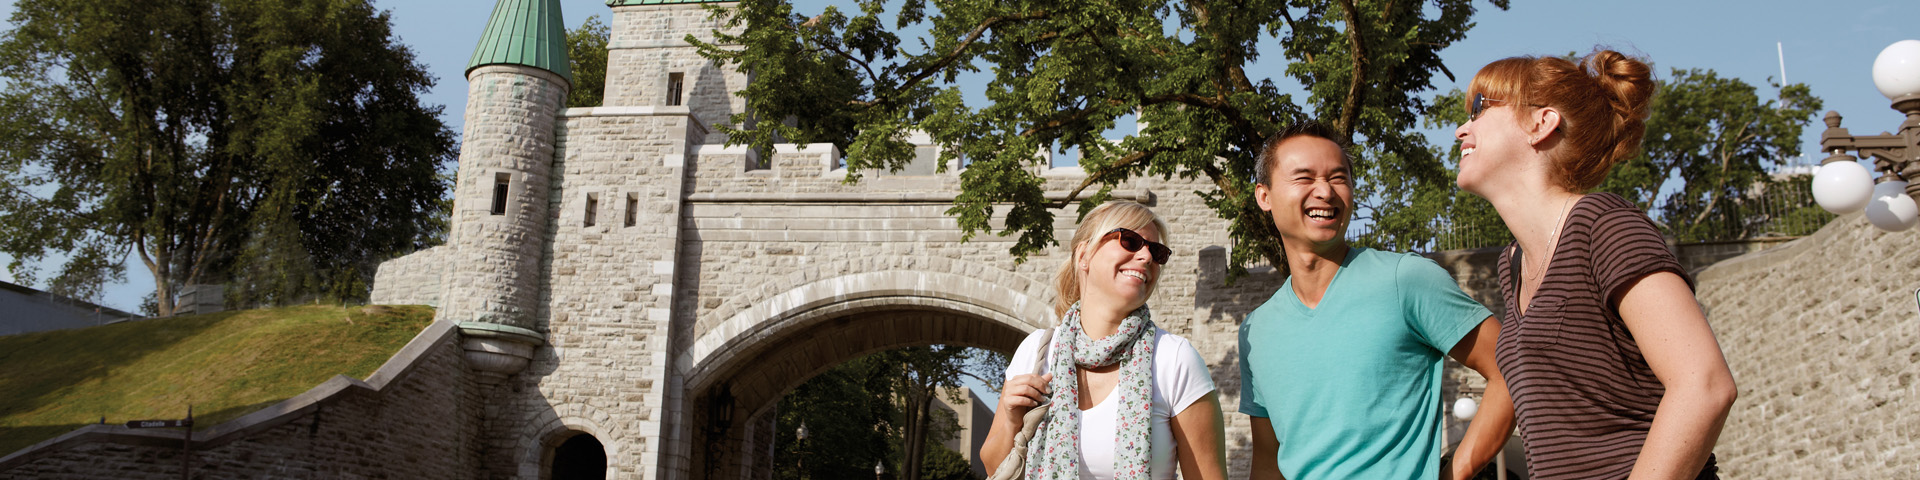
x=846 y=411
x=1714 y=136
x=878 y=408
x=1063 y=72
x=587 y=54
x=919 y=375
x=276 y=144
x=1720 y=140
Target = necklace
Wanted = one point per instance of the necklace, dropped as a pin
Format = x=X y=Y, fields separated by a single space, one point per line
x=1553 y=243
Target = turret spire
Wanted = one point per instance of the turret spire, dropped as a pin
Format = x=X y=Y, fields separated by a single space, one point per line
x=525 y=32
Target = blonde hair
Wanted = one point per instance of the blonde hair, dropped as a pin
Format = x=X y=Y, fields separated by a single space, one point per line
x=1103 y=219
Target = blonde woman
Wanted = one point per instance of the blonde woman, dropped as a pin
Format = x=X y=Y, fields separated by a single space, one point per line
x=1130 y=401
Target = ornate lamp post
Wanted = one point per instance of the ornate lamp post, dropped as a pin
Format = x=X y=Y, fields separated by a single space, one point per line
x=1842 y=186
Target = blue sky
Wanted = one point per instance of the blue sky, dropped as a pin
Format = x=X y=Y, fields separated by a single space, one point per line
x=1827 y=45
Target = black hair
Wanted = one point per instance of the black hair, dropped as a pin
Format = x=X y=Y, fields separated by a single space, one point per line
x=1304 y=128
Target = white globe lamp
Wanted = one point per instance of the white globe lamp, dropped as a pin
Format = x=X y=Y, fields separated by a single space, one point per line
x=1842 y=187
x=1897 y=70
x=1892 y=209
x=1464 y=408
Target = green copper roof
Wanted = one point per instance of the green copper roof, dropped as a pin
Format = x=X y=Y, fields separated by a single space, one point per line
x=525 y=32
x=616 y=3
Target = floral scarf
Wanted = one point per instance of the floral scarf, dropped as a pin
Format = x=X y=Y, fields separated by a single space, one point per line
x=1055 y=451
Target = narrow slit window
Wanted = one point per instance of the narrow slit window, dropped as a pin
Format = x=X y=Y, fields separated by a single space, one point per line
x=633 y=203
x=593 y=205
x=500 y=183
x=676 y=84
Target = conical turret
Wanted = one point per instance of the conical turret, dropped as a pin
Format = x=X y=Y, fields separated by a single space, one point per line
x=517 y=87
x=524 y=32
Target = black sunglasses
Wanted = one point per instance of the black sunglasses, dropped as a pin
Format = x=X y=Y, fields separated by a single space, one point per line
x=1480 y=106
x=1133 y=241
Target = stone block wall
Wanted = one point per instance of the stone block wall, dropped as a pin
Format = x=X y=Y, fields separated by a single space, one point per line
x=757 y=234
x=510 y=127
x=415 y=417
x=415 y=279
x=1697 y=256
x=1823 y=336
x=607 y=286
x=648 y=43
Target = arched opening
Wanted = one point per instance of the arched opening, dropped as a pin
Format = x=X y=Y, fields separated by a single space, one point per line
x=759 y=346
x=739 y=434
x=581 y=457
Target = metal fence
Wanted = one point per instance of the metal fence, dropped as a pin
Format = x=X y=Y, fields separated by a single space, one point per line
x=1781 y=209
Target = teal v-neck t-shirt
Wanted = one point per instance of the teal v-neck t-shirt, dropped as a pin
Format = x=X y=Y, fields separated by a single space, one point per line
x=1352 y=386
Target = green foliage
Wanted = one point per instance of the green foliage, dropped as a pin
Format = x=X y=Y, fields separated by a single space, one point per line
x=847 y=412
x=1715 y=136
x=1422 y=214
x=1719 y=139
x=587 y=52
x=224 y=364
x=873 y=410
x=945 y=464
x=276 y=145
x=1063 y=72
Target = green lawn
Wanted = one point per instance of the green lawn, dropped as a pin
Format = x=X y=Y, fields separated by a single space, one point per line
x=225 y=364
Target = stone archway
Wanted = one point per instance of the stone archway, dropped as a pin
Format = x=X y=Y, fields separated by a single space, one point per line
x=740 y=369
x=579 y=457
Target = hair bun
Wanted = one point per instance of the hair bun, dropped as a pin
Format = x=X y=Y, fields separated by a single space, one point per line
x=1627 y=82
x=1628 y=86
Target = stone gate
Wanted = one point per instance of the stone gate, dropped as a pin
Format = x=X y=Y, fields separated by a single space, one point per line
x=618 y=271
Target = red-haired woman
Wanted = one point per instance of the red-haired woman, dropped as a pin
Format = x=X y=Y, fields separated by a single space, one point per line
x=1613 y=369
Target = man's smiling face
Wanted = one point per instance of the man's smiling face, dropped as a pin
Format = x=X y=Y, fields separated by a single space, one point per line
x=1309 y=191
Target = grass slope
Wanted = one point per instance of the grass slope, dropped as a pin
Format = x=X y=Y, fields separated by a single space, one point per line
x=225 y=364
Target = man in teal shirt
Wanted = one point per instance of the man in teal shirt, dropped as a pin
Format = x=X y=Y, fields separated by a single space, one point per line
x=1340 y=370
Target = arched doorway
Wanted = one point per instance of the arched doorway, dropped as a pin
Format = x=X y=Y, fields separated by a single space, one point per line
x=580 y=457
x=735 y=412
x=737 y=369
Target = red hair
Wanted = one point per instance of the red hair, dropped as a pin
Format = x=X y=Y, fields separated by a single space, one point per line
x=1603 y=105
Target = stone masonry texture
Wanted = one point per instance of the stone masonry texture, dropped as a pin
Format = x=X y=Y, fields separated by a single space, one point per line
x=1823 y=336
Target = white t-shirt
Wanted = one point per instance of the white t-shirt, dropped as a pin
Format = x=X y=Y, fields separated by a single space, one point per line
x=1180 y=377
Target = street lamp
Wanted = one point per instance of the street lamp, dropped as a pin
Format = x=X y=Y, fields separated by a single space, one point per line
x=801 y=441
x=879 y=470
x=1842 y=186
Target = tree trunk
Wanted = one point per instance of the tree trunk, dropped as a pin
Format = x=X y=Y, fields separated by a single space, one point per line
x=915 y=445
x=158 y=263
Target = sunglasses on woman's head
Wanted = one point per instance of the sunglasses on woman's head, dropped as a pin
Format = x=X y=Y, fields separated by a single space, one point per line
x=1132 y=241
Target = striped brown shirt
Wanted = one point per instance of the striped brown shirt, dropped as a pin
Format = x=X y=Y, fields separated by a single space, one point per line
x=1583 y=394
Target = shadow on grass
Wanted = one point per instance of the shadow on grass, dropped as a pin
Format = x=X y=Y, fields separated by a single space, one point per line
x=52 y=382
x=39 y=365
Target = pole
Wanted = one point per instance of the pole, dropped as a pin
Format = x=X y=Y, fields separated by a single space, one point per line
x=186 y=447
x=1500 y=464
x=1777 y=48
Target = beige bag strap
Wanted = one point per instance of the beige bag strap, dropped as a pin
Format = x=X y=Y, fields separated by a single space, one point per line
x=1014 y=466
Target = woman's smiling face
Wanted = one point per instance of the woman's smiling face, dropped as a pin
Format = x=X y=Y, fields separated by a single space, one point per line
x=1110 y=273
x=1489 y=143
